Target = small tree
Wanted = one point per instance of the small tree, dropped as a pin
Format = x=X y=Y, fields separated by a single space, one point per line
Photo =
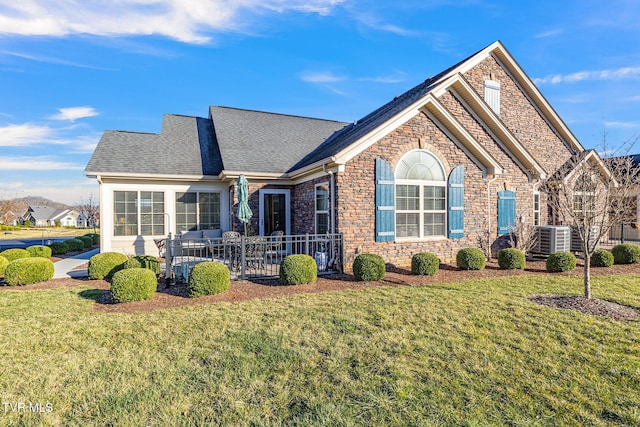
x=90 y=211
x=591 y=194
x=522 y=236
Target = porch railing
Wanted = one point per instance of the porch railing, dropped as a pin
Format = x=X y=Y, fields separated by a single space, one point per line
x=252 y=256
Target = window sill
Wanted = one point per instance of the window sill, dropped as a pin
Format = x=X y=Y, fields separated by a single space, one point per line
x=421 y=239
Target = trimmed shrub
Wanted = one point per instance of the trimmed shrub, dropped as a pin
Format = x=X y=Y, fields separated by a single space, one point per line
x=95 y=237
x=298 y=270
x=626 y=253
x=470 y=259
x=15 y=253
x=511 y=259
x=133 y=284
x=86 y=240
x=208 y=278
x=25 y=271
x=143 y=261
x=39 y=251
x=59 y=248
x=424 y=263
x=369 y=267
x=601 y=258
x=561 y=261
x=75 y=245
x=105 y=265
x=3 y=265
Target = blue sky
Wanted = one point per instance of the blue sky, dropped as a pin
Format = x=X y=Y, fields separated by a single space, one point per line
x=71 y=69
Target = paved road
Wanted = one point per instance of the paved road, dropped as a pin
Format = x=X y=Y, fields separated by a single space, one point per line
x=24 y=243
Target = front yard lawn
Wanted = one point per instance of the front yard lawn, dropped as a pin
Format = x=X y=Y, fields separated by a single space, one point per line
x=472 y=353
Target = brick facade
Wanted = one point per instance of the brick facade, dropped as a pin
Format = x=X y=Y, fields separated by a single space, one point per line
x=355 y=187
x=354 y=213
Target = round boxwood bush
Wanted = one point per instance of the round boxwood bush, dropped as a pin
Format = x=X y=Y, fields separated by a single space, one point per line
x=208 y=278
x=25 y=271
x=3 y=265
x=133 y=284
x=470 y=259
x=369 y=267
x=601 y=258
x=626 y=253
x=561 y=261
x=511 y=259
x=95 y=237
x=86 y=240
x=143 y=261
x=104 y=265
x=59 y=248
x=15 y=253
x=39 y=251
x=424 y=263
x=75 y=245
x=298 y=270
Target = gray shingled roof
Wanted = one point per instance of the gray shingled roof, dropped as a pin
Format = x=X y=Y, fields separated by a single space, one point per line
x=371 y=121
x=185 y=146
x=241 y=140
x=254 y=141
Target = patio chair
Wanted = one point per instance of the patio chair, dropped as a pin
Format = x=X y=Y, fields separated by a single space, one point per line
x=231 y=245
x=275 y=245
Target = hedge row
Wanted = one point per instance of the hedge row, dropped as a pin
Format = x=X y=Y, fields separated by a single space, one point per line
x=76 y=244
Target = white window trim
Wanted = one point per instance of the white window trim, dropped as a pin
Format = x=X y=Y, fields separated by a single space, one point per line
x=197 y=193
x=321 y=212
x=139 y=214
x=421 y=211
x=536 y=194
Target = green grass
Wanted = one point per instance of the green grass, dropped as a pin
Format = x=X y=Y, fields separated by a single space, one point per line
x=43 y=233
x=472 y=353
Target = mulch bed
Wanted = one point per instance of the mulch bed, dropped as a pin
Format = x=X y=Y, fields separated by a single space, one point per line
x=176 y=295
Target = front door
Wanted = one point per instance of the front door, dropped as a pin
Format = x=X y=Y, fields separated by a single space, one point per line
x=274 y=211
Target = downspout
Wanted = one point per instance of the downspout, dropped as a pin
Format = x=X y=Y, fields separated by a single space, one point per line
x=489 y=215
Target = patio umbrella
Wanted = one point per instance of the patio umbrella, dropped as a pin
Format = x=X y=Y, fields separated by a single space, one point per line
x=244 y=211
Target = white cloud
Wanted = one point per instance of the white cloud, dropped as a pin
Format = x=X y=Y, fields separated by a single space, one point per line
x=622 y=125
x=74 y=113
x=49 y=59
x=187 y=21
x=614 y=74
x=549 y=33
x=36 y=163
x=321 y=77
x=24 y=135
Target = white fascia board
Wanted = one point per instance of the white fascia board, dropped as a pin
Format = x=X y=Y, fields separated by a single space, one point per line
x=456 y=132
x=462 y=90
x=540 y=103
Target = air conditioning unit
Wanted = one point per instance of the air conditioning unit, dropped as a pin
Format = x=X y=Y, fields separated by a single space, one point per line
x=576 y=242
x=552 y=238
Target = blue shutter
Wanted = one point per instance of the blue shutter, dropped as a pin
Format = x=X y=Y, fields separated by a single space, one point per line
x=456 y=203
x=506 y=211
x=385 y=202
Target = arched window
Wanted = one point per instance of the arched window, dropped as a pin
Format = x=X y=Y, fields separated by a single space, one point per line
x=421 y=206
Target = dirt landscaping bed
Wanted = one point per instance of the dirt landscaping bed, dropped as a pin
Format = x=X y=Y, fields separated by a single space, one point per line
x=176 y=295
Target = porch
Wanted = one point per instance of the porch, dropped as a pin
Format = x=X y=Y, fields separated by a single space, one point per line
x=251 y=256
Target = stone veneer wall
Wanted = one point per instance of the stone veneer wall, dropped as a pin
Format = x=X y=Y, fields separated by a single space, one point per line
x=520 y=116
x=356 y=194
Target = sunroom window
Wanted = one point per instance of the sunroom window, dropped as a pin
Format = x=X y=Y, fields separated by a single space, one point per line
x=420 y=196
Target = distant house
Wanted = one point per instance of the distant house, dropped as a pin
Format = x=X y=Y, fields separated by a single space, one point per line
x=456 y=159
x=46 y=216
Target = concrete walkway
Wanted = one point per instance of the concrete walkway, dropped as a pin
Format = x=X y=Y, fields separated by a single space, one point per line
x=65 y=267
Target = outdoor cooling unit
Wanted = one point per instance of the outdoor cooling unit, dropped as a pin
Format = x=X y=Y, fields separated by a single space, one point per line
x=551 y=239
x=576 y=243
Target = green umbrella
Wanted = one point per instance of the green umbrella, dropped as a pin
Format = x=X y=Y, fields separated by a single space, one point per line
x=244 y=211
